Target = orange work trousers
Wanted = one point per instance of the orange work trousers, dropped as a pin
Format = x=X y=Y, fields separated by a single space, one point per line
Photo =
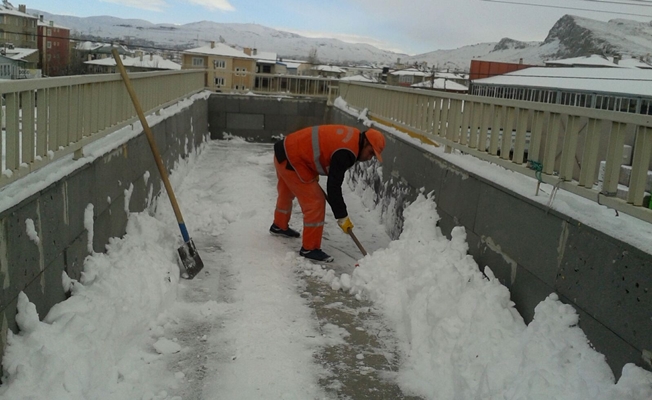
x=311 y=199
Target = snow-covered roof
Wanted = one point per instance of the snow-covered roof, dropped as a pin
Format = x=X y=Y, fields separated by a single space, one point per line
x=291 y=60
x=359 y=78
x=153 y=62
x=593 y=60
x=85 y=45
x=50 y=24
x=441 y=84
x=630 y=81
x=410 y=71
x=451 y=75
x=220 y=49
x=329 y=68
x=103 y=48
x=264 y=61
x=634 y=63
x=19 y=54
x=291 y=64
x=266 y=56
x=8 y=10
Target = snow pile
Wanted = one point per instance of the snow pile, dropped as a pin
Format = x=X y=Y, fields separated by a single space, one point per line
x=84 y=348
x=462 y=338
x=459 y=333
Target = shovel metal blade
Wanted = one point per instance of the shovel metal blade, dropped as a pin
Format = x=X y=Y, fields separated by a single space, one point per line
x=190 y=260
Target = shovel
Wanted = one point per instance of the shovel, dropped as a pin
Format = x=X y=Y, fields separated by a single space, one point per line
x=190 y=259
x=350 y=232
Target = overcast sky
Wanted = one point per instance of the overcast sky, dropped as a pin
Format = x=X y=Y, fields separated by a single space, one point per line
x=412 y=27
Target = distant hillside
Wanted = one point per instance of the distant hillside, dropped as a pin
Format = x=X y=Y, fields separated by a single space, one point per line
x=285 y=44
x=571 y=36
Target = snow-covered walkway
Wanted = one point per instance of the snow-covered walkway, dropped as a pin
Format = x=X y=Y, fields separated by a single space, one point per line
x=255 y=323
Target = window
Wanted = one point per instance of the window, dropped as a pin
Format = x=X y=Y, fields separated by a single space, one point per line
x=406 y=79
x=49 y=44
x=49 y=32
x=237 y=72
x=197 y=62
x=219 y=64
x=219 y=82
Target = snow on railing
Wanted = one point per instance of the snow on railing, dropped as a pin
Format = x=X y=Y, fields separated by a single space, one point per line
x=559 y=145
x=46 y=119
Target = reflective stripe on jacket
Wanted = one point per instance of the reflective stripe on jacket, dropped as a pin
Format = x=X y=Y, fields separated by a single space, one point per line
x=309 y=150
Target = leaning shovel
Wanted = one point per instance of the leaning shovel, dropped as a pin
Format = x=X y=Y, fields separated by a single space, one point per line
x=190 y=259
x=350 y=232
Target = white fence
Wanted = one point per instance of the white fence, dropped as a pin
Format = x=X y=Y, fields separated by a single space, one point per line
x=560 y=145
x=46 y=119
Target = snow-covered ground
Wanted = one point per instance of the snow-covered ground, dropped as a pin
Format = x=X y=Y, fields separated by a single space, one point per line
x=242 y=330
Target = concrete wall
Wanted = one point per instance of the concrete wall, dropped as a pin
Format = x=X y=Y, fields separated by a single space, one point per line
x=263 y=119
x=58 y=214
x=534 y=251
x=531 y=250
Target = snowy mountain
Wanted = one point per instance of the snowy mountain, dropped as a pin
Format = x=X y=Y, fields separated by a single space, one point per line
x=287 y=45
x=571 y=36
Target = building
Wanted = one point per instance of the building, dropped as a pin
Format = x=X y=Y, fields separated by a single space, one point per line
x=87 y=51
x=485 y=69
x=266 y=62
x=140 y=63
x=9 y=68
x=407 y=77
x=54 y=48
x=227 y=68
x=327 y=71
x=616 y=89
x=592 y=61
x=359 y=78
x=17 y=28
x=19 y=63
x=291 y=66
x=365 y=70
x=442 y=84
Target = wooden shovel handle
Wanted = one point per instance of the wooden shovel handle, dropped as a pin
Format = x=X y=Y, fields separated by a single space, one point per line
x=152 y=144
x=357 y=242
x=350 y=231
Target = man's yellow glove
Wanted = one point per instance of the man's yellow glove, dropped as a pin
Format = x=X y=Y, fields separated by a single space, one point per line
x=345 y=223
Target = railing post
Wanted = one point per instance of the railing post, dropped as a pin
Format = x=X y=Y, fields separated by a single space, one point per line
x=640 y=165
x=567 y=163
x=12 y=131
x=520 y=138
x=590 y=154
x=28 y=126
x=614 y=158
x=552 y=139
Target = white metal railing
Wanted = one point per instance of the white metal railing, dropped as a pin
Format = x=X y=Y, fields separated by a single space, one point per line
x=559 y=145
x=296 y=85
x=46 y=119
x=272 y=84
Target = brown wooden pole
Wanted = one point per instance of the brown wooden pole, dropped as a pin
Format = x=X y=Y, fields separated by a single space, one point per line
x=152 y=142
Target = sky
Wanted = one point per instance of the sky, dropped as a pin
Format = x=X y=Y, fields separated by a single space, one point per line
x=244 y=328
x=415 y=27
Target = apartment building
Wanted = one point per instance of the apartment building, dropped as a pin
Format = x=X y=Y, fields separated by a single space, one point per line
x=227 y=68
x=54 y=48
x=17 y=28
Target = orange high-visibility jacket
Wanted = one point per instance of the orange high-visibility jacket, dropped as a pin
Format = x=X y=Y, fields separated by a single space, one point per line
x=309 y=150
